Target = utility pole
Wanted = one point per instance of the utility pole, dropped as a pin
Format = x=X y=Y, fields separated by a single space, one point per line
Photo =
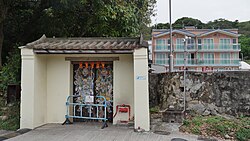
x=185 y=69
x=171 y=62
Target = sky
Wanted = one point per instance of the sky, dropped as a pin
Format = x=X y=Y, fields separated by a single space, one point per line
x=204 y=10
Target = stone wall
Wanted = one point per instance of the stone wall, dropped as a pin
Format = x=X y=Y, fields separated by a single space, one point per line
x=206 y=93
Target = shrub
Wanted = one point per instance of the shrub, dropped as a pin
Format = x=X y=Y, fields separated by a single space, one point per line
x=10 y=72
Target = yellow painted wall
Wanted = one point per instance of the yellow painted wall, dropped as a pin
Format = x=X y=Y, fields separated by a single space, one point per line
x=47 y=81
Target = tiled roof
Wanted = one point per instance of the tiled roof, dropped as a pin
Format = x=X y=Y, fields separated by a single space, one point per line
x=220 y=31
x=93 y=43
x=184 y=32
x=195 y=32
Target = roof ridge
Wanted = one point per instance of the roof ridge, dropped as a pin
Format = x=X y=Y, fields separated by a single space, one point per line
x=37 y=41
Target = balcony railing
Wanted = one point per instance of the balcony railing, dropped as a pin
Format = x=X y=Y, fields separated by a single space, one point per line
x=207 y=62
x=200 y=47
x=219 y=47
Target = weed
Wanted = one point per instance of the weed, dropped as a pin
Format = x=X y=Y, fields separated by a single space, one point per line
x=154 y=110
x=13 y=121
x=243 y=134
x=218 y=126
x=196 y=130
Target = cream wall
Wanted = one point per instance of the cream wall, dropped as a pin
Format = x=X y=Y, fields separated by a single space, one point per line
x=40 y=93
x=58 y=87
x=141 y=97
x=123 y=85
x=47 y=81
x=27 y=89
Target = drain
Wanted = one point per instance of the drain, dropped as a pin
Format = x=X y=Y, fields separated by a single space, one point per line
x=162 y=132
x=178 y=139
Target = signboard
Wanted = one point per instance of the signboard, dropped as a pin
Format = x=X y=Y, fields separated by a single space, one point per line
x=89 y=99
x=141 y=77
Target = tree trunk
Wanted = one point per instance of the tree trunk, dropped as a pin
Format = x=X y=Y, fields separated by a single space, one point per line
x=1 y=43
x=3 y=11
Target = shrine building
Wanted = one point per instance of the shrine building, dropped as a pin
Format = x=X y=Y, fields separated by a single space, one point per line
x=82 y=79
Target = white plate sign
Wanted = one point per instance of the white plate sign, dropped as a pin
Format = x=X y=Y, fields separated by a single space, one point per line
x=143 y=77
x=89 y=99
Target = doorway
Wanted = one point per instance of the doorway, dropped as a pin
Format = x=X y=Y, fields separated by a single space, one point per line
x=93 y=79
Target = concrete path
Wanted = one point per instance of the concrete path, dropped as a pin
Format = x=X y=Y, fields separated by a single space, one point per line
x=90 y=132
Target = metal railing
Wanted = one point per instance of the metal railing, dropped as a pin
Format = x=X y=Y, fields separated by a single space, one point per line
x=219 y=47
x=94 y=111
x=207 y=62
x=198 y=47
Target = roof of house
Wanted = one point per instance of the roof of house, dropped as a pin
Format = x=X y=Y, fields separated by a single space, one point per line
x=85 y=44
x=184 y=32
x=219 y=31
x=195 y=32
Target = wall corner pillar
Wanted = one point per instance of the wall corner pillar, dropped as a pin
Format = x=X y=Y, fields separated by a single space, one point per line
x=141 y=92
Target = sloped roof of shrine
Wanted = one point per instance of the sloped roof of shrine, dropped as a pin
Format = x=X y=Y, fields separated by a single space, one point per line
x=85 y=44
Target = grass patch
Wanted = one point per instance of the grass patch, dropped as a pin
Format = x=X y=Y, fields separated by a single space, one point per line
x=154 y=110
x=218 y=127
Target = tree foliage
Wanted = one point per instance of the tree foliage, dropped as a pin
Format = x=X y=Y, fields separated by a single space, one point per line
x=245 y=46
x=27 y=20
x=186 y=21
x=11 y=71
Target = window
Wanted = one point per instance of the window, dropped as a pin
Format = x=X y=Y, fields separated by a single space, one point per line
x=168 y=44
x=208 y=58
x=190 y=59
x=225 y=58
x=190 y=44
x=235 y=58
x=199 y=44
x=179 y=44
x=199 y=57
x=161 y=58
x=179 y=58
x=161 y=44
x=235 y=45
x=208 y=44
x=224 y=43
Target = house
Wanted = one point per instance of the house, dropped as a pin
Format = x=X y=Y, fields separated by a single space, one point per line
x=55 y=68
x=206 y=49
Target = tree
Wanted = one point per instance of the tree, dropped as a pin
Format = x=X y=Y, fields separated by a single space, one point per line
x=244 y=28
x=245 y=46
x=186 y=21
x=221 y=24
x=3 y=11
x=28 y=20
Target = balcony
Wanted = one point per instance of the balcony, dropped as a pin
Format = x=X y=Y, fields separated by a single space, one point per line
x=207 y=62
x=176 y=48
x=163 y=62
x=218 y=47
x=199 y=48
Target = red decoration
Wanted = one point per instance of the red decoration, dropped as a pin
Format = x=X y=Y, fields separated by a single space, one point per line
x=92 y=64
x=86 y=64
x=103 y=65
x=80 y=65
x=97 y=65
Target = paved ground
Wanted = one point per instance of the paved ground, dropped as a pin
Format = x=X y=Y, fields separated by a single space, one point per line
x=90 y=132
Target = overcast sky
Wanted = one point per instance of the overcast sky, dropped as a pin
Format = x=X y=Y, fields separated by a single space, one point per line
x=204 y=10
